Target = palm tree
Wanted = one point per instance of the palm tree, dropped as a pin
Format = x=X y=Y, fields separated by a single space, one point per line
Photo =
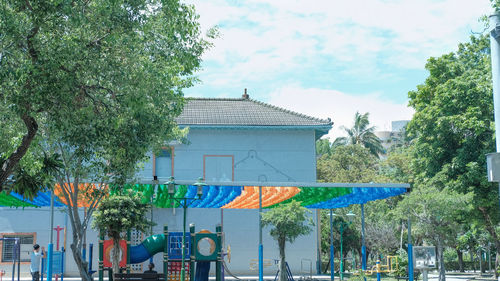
x=361 y=133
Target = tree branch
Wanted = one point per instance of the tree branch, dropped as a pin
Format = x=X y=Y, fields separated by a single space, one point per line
x=7 y=166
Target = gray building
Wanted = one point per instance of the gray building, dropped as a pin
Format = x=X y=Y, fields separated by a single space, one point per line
x=393 y=137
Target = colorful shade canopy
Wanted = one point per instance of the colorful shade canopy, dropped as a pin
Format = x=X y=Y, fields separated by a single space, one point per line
x=16 y=200
x=237 y=197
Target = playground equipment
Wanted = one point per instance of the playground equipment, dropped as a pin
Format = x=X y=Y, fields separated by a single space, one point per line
x=57 y=264
x=288 y=273
x=391 y=266
x=16 y=257
x=57 y=259
x=201 y=248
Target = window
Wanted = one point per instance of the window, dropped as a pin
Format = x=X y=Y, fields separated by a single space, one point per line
x=27 y=241
x=164 y=163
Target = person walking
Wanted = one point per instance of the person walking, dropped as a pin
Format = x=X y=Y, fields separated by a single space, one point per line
x=36 y=257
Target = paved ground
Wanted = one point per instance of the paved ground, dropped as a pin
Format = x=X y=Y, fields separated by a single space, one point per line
x=432 y=277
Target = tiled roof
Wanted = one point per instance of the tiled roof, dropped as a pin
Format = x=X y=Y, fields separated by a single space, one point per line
x=242 y=112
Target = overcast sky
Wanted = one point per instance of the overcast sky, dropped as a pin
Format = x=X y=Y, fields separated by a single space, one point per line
x=331 y=58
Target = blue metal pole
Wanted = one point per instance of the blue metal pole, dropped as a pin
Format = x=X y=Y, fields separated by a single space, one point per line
x=16 y=256
x=50 y=252
x=318 y=242
x=332 y=256
x=50 y=248
x=261 y=247
x=363 y=246
x=91 y=249
x=63 y=254
x=341 y=253
x=41 y=269
x=378 y=270
x=410 y=253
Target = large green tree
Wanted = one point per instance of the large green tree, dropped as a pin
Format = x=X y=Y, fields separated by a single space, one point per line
x=362 y=133
x=453 y=129
x=98 y=83
x=62 y=63
x=288 y=221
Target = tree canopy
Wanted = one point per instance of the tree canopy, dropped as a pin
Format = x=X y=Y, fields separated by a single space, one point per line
x=350 y=163
x=453 y=129
x=106 y=77
x=95 y=85
x=362 y=134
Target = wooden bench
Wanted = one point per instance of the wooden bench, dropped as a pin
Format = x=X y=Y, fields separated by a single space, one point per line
x=401 y=278
x=139 y=277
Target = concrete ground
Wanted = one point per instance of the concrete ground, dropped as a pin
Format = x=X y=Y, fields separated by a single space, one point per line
x=432 y=277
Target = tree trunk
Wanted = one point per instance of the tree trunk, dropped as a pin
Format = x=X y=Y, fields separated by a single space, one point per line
x=401 y=237
x=442 y=270
x=80 y=263
x=78 y=228
x=7 y=166
x=116 y=254
x=481 y=267
x=283 y=273
x=460 y=255
x=493 y=233
x=471 y=254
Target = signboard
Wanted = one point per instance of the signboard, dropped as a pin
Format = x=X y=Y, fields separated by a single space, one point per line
x=57 y=263
x=493 y=165
x=424 y=257
x=57 y=259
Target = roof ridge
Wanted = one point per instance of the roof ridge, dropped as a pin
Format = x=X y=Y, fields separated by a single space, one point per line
x=328 y=120
x=222 y=99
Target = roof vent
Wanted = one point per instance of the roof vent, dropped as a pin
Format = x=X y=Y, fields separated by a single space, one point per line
x=245 y=96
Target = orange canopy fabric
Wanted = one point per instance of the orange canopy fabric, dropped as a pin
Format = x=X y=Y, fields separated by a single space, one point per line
x=87 y=191
x=249 y=198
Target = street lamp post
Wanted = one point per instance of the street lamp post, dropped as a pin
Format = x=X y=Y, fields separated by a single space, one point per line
x=184 y=202
x=341 y=225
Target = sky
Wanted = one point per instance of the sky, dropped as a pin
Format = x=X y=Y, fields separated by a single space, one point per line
x=330 y=58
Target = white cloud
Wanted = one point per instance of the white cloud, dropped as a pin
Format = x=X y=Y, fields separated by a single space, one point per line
x=340 y=107
x=263 y=34
x=270 y=42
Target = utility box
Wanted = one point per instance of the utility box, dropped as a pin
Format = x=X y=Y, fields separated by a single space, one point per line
x=493 y=164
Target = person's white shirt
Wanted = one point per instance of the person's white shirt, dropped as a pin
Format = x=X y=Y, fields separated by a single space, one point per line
x=35 y=261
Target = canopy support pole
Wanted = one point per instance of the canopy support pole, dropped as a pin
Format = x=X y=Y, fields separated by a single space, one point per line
x=410 y=253
x=332 y=256
x=363 y=245
x=50 y=249
x=318 y=241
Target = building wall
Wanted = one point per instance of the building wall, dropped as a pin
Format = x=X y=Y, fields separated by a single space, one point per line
x=217 y=155
x=275 y=155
